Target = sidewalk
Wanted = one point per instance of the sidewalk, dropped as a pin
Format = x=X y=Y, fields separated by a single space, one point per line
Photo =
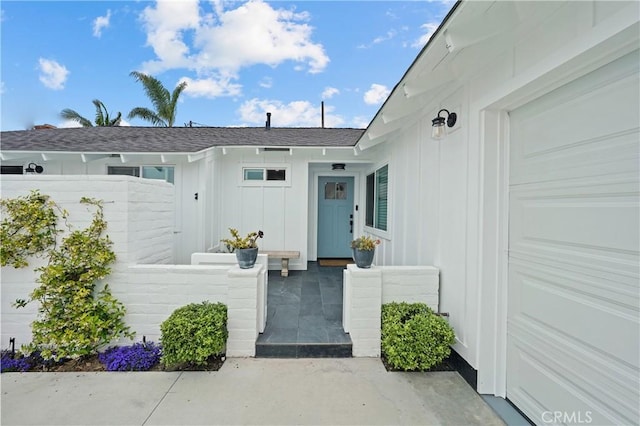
x=247 y=391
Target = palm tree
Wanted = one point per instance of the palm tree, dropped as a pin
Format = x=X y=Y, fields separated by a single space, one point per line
x=102 y=116
x=166 y=103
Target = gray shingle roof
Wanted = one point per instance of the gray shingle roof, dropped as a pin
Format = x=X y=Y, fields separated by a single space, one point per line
x=172 y=139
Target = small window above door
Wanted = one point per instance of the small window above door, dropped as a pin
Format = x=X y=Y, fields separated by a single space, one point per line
x=265 y=175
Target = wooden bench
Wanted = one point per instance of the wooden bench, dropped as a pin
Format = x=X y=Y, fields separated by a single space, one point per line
x=285 y=256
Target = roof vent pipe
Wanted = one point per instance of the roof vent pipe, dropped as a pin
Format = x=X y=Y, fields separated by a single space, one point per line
x=268 y=123
x=322 y=114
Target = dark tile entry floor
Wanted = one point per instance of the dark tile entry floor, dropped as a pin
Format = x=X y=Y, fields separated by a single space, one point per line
x=304 y=315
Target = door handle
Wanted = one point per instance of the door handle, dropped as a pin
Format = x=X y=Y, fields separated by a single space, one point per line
x=351 y=227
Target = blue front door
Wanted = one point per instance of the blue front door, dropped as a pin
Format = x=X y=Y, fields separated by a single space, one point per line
x=335 y=216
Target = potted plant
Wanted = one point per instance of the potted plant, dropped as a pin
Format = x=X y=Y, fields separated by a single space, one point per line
x=364 y=248
x=246 y=248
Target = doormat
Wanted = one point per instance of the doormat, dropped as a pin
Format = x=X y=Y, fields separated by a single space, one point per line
x=334 y=262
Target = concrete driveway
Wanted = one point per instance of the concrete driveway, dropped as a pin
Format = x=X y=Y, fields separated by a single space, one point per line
x=247 y=391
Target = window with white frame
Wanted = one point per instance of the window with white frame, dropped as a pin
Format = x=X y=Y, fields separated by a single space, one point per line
x=377 y=199
x=165 y=173
x=261 y=175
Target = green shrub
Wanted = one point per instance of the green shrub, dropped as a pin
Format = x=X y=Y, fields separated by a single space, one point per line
x=194 y=333
x=414 y=337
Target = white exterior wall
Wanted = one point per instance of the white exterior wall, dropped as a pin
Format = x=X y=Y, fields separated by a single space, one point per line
x=152 y=292
x=285 y=213
x=366 y=290
x=139 y=215
x=192 y=175
x=447 y=197
x=411 y=284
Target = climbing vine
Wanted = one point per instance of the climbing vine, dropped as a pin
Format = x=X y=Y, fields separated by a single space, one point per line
x=29 y=228
x=74 y=319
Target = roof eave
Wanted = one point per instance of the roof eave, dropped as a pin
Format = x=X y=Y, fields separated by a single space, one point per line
x=364 y=143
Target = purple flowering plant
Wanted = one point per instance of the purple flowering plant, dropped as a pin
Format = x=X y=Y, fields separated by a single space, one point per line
x=137 y=357
x=10 y=362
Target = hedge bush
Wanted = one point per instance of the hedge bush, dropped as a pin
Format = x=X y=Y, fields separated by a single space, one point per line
x=414 y=337
x=194 y=333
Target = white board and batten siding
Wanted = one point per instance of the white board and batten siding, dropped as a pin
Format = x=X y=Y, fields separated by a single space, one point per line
x=572 y=328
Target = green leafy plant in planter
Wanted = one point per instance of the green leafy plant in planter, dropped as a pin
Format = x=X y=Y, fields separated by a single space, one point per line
x=193 y=334
x=74 y=318
x=414 y=337
x=238 y=242
x=364 y=249
x=246 y=248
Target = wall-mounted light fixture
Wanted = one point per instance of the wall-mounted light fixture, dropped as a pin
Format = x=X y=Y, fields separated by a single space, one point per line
x=337 y=166
x=34 y=168
x=439 y=129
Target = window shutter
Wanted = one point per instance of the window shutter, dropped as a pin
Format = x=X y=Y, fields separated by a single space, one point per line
x=370 y=206
x=382 y=180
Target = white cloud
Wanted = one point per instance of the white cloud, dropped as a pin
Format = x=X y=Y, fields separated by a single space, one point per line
x=329 y=92
x=380 y=39
x=360 y=122
x=388 y=36
x=376 y=94
x=225 y=41
x=211 y=88
x=293 y=114
x=52 y=74
x=100 y=23
x=165 y=26
x=429 y=28
x=266 y=82
x=69 y=124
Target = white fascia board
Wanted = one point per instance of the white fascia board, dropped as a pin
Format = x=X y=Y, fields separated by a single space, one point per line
x=192 y=158
x=35 y=155
x=9 y=156
x=205 y=153
x=86 y=158
x=226 y=149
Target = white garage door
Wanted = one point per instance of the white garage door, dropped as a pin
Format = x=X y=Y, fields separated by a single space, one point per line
x=573 y=296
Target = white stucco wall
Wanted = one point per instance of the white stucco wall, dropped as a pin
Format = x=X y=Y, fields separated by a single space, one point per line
x=446 y=197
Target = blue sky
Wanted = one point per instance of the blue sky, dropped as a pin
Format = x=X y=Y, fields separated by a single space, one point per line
x=240 y=59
